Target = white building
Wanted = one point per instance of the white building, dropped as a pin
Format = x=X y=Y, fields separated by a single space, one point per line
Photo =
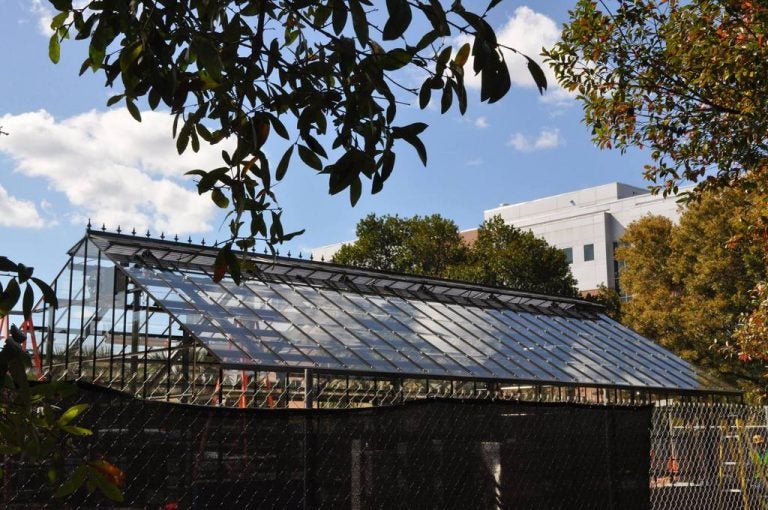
x=587 y=225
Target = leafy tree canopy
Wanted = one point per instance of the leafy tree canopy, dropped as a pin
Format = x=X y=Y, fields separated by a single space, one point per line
x=691 y=282
x=506 y=256
x=502 y=255
x=688 y=80
x=426 y=245
x=325 y=76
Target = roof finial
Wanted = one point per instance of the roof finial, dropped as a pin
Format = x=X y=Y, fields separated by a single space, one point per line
x=189 y=239
x=133 y=232
x=88 y=226
x=176 y=238
x=311 y=256
x=300 y=255
x=289 y=253
x=103 y=227
x=265 y=250
x=322 y=258
x=203 y=241
x=119 y=231
x=162 y=236
x=147 y=234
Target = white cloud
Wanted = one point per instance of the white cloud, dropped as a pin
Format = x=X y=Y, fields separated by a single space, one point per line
x=18 y=213
x=475 y=162
x=528 y=32
x=43 y=16
x=113 y=169
x=547 y=139
x=481 y=122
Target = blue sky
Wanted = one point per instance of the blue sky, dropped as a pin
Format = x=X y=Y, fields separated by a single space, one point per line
x=68 y=157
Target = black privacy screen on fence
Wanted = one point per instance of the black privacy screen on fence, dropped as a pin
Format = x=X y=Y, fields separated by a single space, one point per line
x=424 y=454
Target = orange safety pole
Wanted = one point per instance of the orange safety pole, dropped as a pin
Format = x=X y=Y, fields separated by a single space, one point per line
x=27 y=327
x=243 y=401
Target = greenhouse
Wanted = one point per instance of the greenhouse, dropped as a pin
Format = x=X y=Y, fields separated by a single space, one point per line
x=145 y=316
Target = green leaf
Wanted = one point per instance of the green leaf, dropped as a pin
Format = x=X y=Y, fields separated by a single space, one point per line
x=59 y=20
x=417 y=144
x=395 y=59
x=339 y=18
x=107 y=488
x=9 y=297
x=310 y=158
x=7 y=265
x=219 y=198
x=49 y=296
x=28 y=302
x=54 y=48
x=76 y=431
x=538 y=75
x=129 y=55
x=282 y=167
x=355 y=191
x=447 y=98
x=409 y=130
x=463 y=54
x=183 y=139
x=491 y=5
x=133 y=109
x=73 y=482
x=70 y=414
x=425 y=94
x=114 y=99
x=62 y=5
x=399 y=19
x=359 y=22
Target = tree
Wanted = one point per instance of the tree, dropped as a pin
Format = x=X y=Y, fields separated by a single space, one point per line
x=687 y=80
x=426 y=245
x=31 y=424
x=502 y=255
x=506 y=256
x=691 y=282
x=321 y=75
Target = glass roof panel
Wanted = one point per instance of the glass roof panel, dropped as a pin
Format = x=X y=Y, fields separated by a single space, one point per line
x=302 y=314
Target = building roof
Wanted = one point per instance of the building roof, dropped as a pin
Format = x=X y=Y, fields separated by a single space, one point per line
x=296 y=314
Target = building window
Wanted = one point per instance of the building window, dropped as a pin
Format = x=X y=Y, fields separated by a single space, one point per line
x=568 y=252
x=589 y=252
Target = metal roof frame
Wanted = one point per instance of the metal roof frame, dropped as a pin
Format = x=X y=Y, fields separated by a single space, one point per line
x=293 y=314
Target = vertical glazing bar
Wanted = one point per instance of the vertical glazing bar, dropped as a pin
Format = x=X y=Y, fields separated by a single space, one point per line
x=221 y=386
x=184 y=365
x=168 y=362
x=146 y=347
x=135 y=339
x=308 y=389
x=81 y=339
x=52 y=332
x=69 y=313
x=125 y=331
x=96 y=315
x=43 y=337
x=112 y=327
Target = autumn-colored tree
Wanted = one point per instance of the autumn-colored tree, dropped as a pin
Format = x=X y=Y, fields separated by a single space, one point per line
x=690 y=282
x=687 y=80
x=502 y=255
x=507 y=256
x=426 y=245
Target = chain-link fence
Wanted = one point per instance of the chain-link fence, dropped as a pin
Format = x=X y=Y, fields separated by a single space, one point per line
x=709 y=456
x=435 y=453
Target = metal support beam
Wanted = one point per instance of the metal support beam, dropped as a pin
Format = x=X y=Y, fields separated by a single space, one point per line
x=308 y=389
